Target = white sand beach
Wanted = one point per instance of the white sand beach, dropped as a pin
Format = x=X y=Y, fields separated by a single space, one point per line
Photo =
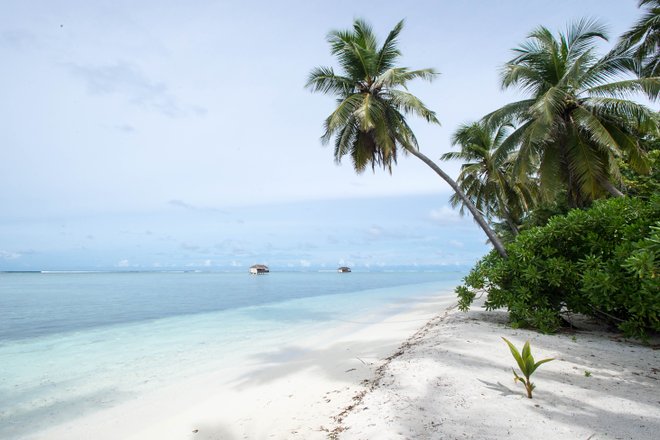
x=453 y=380
x=429 y=373
x=291 y=391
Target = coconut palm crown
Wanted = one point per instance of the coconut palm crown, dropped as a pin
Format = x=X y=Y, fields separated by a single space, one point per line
x=578 y=118
x=644 y=40
x=369 y=123
x=486 y=175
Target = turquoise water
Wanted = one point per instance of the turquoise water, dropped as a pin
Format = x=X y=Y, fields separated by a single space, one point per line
x=70 y=343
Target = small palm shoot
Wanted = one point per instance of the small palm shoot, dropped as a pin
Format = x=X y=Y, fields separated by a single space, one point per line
x=527 y=365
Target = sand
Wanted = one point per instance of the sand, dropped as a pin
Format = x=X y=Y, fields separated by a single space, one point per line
x=287 y=392
x=430 y=372
x=453 y=380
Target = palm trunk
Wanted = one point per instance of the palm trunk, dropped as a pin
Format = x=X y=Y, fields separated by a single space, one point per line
x=614 y=192
x=512 y=226
x=494 y=239
x=508 y=218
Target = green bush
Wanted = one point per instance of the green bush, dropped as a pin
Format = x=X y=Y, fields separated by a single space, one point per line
x=603 y=262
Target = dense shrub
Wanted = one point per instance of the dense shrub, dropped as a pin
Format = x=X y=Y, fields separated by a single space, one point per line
x=603 y=262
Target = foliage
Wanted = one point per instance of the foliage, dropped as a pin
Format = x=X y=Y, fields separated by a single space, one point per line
x=578 y=117
x=602 y=262
x=643 y=39
x=526 y=364
x=369 y=122
x=644 y=185
x=486 y=175
x=545 y=210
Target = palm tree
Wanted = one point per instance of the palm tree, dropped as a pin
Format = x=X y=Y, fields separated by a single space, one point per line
x=369 y=122
x=644 y=40
x=578 y=118
x=486 y=175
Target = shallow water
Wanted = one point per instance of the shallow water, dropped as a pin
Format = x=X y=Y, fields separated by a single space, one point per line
x=71 y=342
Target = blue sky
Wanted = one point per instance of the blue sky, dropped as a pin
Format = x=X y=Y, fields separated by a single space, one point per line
x=178 y=134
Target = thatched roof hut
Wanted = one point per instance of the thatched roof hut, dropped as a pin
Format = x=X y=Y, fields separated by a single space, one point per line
x=259 y=269
x=344 y=269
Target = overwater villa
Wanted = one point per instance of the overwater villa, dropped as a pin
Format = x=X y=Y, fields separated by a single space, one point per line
x=259 y=269
x=344 y=269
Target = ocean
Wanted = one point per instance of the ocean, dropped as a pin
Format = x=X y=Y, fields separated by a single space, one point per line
x=71 y=343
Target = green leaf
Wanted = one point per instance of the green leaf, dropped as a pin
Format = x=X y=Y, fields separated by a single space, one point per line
x=515 y=353
x=529 y=366
x=526 y=351
x=539 y=363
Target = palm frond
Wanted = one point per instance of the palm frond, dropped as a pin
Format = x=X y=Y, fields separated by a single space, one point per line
x=628 y=88
x=345 y=140
x=522 y=76
x=409 y=103
x=324 y=80
x=342 y=115
x=548 y=105
x=625 y=112
x=400 y=76
x=629 y=143
x=587 y=166
x=389 y=52
x=510 y=113
x=596 y=131
x=549 y=171
x=580 y=36
x=512 y=141
x=644 y=25
x=401 y=130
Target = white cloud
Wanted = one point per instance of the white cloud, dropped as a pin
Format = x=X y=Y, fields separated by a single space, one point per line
x=127 y=80
x=445 y=214
x=207 y=263
x=181 y=204
x=305 y=263
x=189 y=247
x=375 y=231
x=123 y=263
x=456 y=243
x=4 y=255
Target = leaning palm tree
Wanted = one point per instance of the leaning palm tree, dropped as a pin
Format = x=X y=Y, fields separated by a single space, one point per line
x=579 y=117
x=644 y=40
x=369 y=122
x=486 y=175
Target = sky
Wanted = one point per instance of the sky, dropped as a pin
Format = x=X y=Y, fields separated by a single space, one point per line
x=179 y=134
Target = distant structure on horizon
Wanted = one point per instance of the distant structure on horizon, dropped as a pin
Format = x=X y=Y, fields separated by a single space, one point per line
x=259 y=269
x=344 y=269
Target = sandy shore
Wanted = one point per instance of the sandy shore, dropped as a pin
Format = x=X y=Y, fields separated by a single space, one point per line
x=453 y=380
x=428 y=373
x=288 y=392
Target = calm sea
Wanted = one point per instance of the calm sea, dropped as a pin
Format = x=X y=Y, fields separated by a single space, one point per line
x=74 y=341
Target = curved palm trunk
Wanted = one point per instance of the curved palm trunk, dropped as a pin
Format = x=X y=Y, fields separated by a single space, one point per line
x=508 y=218
x=512 y=225
x=614 y=192
x=494 y=239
